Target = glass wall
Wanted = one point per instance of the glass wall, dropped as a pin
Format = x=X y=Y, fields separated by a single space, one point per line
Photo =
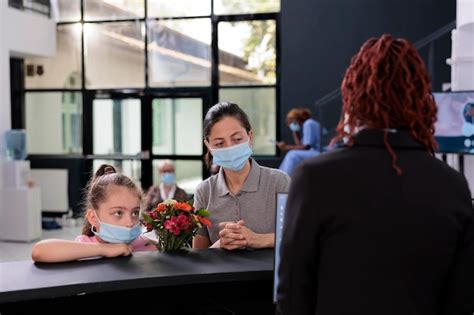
x=177 y=126
x=113 y=54
x=53 y=122
x=247 y=52
x=183 y=61
x=167 y=8
x=62 y=71
x=132 y=79
x=96 y=10
x=116 y=126
x=260 y=106
x=245 y=6
x=66 y=10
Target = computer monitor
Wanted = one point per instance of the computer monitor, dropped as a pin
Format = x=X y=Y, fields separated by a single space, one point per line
x=454 y=129
x=279 y=217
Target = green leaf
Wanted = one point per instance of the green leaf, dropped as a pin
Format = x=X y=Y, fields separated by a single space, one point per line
x=203 y=212
x=147 y=218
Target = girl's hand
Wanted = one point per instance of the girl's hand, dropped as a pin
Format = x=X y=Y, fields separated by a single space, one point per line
x=115 y=250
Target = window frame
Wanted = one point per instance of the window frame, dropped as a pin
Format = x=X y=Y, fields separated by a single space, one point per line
x=209 y=94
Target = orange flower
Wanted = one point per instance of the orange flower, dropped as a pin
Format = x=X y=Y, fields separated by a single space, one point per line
x=183 y=206
x=204 y=221
x=161 y=207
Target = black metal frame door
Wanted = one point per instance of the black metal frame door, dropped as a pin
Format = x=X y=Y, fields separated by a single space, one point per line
x=88 y=127
x=147 y=137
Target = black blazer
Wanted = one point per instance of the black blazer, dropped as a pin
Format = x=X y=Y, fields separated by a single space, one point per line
x=358 y=239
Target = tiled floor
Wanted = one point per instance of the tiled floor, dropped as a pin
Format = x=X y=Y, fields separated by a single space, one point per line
x=14 y=251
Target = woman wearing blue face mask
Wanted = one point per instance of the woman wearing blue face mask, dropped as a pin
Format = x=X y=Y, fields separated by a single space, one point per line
x=111 y=226
x=166 y=189
x=241 y=196
x=306 y=135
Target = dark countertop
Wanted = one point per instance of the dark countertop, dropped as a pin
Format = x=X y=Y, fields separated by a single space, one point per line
x=25 y=280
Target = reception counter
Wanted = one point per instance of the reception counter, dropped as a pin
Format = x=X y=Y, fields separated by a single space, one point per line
x=199 y=281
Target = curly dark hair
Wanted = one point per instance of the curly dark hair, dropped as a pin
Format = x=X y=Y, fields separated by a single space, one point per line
x=385 y=87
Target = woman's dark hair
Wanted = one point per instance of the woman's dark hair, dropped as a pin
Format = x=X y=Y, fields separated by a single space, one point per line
x=218 y=112
x=387 y=86
x=96 y=190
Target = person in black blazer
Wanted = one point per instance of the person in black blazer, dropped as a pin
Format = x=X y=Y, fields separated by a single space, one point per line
x=379 y=226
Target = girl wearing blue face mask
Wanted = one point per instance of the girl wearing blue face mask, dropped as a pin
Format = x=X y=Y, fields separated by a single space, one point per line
x=166 y=189
x=112 y=226
x=241 y=196
x=306 y=135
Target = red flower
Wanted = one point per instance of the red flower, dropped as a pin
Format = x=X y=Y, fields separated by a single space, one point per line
x=183 y=223
x=148 y=226
x=171 y=226
x=153 y=214
x=177 y=224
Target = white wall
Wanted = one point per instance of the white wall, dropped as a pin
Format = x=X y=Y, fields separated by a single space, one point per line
x=22 y=34
x=464 y=12
x=4 y=87
x=29 y=34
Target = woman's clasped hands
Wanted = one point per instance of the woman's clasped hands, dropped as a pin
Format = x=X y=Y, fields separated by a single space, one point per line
x=234 y=235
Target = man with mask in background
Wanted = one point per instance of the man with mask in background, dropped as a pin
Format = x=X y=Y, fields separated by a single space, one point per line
x=166 y=189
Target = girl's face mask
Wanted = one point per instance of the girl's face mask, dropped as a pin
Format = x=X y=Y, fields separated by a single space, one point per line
x=117 y=234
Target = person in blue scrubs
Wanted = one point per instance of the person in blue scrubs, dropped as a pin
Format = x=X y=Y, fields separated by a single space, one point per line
x=306 y=134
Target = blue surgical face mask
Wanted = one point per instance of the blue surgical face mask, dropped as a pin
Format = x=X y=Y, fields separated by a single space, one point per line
x=168 y=178
x=117 y=234
x=233 y=157
x=294 y=127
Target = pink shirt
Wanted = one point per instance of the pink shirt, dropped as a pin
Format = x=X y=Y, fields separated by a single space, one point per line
x=141 y=243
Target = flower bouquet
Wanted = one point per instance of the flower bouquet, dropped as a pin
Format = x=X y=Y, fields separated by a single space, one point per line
x=175 y=223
